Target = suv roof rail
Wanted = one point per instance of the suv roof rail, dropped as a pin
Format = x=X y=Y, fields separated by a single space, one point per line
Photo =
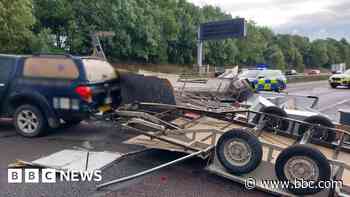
x=53 y=54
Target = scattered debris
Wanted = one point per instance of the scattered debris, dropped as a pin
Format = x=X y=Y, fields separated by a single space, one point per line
x=69 y=160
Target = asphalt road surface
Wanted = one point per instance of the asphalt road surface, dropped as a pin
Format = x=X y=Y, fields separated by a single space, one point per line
x=186 y=179
x=331 y=100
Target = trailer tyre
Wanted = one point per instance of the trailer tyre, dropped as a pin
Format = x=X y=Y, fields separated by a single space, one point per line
x=319 y=134
x=273 y=123
x=302 y=163
x=239 y=151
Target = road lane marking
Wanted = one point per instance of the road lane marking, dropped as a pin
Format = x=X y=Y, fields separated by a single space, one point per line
x=334 y=105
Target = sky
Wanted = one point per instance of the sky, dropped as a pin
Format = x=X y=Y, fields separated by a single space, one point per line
x=312 y=18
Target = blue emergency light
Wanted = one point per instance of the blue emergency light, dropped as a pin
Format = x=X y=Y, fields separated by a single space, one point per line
x=262 y=66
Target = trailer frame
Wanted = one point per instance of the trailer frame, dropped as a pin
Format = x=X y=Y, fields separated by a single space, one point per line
x=155 y=122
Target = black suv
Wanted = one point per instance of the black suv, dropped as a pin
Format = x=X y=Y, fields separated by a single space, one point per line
x=46 y=91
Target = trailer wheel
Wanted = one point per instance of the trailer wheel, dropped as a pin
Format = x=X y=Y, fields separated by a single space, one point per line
x=239 y=151
x=273 y=123
x=302 y=163
x=319 y=134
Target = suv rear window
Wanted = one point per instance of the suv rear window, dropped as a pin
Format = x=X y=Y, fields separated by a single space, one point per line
x=58 y=68
x=98 y=70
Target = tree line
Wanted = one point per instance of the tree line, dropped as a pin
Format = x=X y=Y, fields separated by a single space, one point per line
x=154 y=31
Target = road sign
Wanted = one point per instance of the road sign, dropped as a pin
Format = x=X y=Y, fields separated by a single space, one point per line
x=235 y=28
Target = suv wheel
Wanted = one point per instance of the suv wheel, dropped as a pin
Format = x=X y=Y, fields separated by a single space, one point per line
x=29 y=121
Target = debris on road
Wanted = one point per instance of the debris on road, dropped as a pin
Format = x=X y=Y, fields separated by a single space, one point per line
x=69 y=160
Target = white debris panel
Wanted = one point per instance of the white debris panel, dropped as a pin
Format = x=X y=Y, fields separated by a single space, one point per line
x=77 y=160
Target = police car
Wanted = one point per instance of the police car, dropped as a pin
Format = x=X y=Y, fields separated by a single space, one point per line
x=340 y=79
x=265 y=79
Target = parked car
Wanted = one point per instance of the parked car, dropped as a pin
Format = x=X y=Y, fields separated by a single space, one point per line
x=291 y=72
x=314 y=72
x=265 y=80
x=45 y=91
x=340 y=79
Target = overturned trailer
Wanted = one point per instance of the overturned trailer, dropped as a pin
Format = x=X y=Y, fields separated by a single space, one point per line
x=230 y=94
x=239 y=149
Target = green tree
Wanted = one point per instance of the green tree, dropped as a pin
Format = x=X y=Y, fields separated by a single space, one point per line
x=154 y=31
x=275 y=57
x=252 y=48
x=278 y=60
x=333 y=52
x=303 y=46
x=319 y=55
x=56 y=16
x=344 y=51
x=299 y=63
x=16 y=21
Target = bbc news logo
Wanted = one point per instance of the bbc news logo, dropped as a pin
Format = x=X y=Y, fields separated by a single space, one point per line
x=52 y=176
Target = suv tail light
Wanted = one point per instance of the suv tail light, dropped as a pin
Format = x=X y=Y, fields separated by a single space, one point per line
x=85 y=93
